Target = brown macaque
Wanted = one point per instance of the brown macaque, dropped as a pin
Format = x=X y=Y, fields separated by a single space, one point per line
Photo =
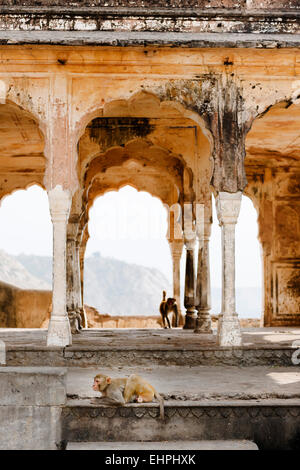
x=166 y=307
x=127 y=390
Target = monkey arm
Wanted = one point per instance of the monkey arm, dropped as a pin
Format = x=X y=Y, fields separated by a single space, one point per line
x=114 y=394
x=106 y=401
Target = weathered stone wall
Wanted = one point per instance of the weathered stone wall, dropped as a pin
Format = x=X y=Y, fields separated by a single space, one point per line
x=31 y=420
x=23 y=308
x=7 y=306
x=277 y=198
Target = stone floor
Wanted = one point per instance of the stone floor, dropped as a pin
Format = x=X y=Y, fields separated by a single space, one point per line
x=140 y=339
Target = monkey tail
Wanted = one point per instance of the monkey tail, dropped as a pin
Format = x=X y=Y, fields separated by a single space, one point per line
x=161 y=405
x=164 y=295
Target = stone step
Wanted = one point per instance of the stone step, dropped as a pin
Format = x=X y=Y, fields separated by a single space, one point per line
x=271 y=424
x=92 y=356
x=261 y=346
x=164 y=445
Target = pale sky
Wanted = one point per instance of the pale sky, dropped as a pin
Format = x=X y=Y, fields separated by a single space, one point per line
x=127 y=225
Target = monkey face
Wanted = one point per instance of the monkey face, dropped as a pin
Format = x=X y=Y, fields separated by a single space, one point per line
x=171 y=301
x=96 y=385
x=101 y=382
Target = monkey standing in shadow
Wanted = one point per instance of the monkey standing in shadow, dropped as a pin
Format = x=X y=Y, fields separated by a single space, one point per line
x=126 y=390
x=167 y=306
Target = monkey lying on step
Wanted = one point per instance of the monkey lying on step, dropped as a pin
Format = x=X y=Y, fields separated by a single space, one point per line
x=166 y=307
x=126 y=390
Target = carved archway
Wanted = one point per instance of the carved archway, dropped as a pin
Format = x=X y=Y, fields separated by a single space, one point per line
x=22 y=157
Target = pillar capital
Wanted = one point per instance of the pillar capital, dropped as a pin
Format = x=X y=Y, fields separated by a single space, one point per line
x=228 y=207
x=190 y=241
x=72 y=229
x=203 y=233
x=59 y=203
x=176 y=248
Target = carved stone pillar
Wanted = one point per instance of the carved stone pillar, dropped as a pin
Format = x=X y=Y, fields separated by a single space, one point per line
x=189 y=291
x=79 y=288
x=176 y=252
x=82 y=242
x=203 y=294
x=73 y=277
x=228 y=208
x=59 y=332
x=81 y=267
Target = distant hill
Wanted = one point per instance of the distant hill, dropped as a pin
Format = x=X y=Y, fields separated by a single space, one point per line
x=112 y=286
x=38 y=266
x=115 y=287
x=120 y=288
x=14 y=271
x=248 y=301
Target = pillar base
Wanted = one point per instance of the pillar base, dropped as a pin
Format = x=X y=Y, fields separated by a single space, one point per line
x=229 y=331
x=83 y=316
x=203 y=324
x=75 y=321
x=190 y=321
x=59 y=332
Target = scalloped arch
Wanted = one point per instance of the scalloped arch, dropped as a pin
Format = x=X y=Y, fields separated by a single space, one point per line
x=116 y=189
x=21 y=188
x=109 y=109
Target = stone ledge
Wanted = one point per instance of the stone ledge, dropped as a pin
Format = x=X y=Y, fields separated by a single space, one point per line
x=136 y=11
x=122 y=39
x=121 y=357
x=289 y=406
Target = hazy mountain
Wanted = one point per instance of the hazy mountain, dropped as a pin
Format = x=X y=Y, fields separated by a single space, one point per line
x=116 y=287
x=39 y=266
x=13 y=271
x=112 y=286
x=248 y=301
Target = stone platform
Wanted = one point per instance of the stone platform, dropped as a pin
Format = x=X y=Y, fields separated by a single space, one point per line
x=261 y=346
x=211 y=393
x=260 y=404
